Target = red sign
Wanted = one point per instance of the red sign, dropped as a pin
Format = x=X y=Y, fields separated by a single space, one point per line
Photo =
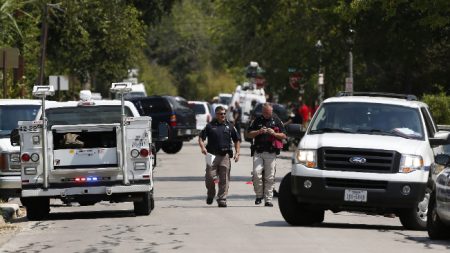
x=294 y=80
x=260 y=82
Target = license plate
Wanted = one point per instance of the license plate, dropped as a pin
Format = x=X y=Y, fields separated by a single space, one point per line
x=188 y=131
x=355 y=195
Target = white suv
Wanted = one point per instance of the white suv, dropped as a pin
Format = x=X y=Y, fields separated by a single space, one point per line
x=203 y=113
x=365 y=152
x=12 y=111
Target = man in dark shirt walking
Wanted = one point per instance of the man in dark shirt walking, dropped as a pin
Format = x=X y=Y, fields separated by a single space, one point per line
x=220 y=134
x=268 y=131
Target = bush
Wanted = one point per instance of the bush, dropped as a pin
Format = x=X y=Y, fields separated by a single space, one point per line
x=439 y=106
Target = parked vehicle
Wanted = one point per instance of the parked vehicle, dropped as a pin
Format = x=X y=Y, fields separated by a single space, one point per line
x=438 y=222
x=248 y=98
x=365 y=152
x=11 y=112
x=203 y=113
x=175 y=112
x=97 y=150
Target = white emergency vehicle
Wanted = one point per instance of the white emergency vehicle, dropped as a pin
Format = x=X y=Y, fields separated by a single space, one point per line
x=248 y=97
x=364 y=152
x=86 y=152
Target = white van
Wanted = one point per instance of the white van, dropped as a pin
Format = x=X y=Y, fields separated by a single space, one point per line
x=364 y=152
x=248 y=98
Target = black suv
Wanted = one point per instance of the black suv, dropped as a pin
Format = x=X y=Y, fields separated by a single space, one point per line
x=175 y=112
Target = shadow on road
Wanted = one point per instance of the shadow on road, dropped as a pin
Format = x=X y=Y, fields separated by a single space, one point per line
x=334 y=225
x=425 y=240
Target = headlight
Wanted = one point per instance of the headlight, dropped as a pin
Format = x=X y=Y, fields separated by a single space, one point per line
x=410 y=163
x=306 y=157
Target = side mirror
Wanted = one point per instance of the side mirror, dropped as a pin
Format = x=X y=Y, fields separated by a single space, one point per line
x=440 y=138
x=295 y=130
x=163 y=131
x=15 y=137
x=442 y=159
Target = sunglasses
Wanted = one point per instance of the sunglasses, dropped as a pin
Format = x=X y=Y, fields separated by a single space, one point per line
x=221 y=113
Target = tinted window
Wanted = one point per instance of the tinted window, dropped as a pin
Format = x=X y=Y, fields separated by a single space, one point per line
x=154 y=105
x=225 y=100
x=198 y=108
x=178 y=102
x=85 y=115
x=11 y=114
x=369 y=118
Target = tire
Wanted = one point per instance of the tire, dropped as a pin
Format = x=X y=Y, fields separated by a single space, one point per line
x=172 y=147
x=145 y=206
x=292 y=211
x=37 y=208
x=416 y=218
x=437 y=230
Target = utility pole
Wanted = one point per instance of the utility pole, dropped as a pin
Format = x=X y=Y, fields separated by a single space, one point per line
x=349 y=79
x=44 y=32
x=320 y=78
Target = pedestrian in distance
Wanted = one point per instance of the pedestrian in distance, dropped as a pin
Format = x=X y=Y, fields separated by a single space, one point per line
x=220 y=135
x=268 y=132
x=237 y=115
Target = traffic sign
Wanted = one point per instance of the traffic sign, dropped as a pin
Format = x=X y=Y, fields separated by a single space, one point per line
x=294 y=80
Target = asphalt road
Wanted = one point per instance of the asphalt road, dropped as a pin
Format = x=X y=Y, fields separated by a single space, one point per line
x=182 y=222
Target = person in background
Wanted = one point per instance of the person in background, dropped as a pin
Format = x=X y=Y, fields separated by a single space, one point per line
x=220 y=134
x=267 y=130
x=237 y=115
x=305 y=112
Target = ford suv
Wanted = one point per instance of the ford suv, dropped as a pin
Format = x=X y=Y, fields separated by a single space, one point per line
x=364 y=152
x=173 y=110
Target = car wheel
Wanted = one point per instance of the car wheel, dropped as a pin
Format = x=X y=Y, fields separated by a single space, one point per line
x=416 y=218
x=172 y=147
x=293 y=212
x=145 y=206
x=37 y=208
x=437 y=230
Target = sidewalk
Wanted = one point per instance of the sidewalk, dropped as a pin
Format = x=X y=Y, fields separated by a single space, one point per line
x=10 y=212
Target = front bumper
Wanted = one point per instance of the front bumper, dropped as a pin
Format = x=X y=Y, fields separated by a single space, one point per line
x=328 y=193
x=10 y=182
x=88 y=190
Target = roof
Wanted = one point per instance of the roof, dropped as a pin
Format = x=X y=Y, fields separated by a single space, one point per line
x=20 y=102
x=379 y=100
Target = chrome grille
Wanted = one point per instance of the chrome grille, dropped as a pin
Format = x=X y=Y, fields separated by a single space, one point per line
x=359 y=160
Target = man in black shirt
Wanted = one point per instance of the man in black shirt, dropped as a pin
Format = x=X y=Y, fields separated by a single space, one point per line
x=220 y=134
x=268 y=131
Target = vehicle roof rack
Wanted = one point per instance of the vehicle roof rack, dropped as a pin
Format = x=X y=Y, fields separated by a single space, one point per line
x=378 y=94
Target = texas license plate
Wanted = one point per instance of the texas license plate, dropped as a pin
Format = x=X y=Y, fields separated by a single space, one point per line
x=355 y=195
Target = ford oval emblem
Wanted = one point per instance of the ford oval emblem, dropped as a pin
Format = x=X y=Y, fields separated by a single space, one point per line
x=358 y=159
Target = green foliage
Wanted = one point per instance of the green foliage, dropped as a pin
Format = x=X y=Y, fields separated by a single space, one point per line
x=440 y=107
x=157 y=79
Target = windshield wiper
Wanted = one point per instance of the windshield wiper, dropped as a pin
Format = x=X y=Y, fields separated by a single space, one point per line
x=330 y=130
x=382 y=132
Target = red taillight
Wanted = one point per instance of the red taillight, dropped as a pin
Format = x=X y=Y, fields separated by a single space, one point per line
x=3 y=162
x=173 y=120
x=25 y=157
x=144 y=152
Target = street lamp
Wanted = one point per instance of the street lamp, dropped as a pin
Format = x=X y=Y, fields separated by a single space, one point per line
x=319 y=48
x=349 y=79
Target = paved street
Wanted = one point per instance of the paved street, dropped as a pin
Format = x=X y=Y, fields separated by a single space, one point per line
x=182 y=222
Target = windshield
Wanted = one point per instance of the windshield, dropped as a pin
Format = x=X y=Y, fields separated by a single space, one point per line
x=85 y=115
x=11 y=114
x=198 y=108
x=368 y=118
x=225 y=100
